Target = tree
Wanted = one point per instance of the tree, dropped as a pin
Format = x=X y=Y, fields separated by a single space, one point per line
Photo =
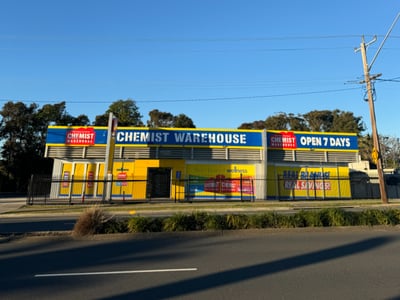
x=22 y=148
x=56 y=114
x=316 y=120
x=319 y=120
x=183 y=121
x=390 y=149
x=278 y=122
x=254 y=125
x=365 y=146
x=297 y=123
x=125 y=111
x=23 y=130
x=283 y=121
x=333 y=121
x=167 y=120
x=160 y=119
x=346 y=122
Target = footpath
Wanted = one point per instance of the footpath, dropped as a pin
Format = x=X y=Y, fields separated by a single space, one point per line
x=11 y=204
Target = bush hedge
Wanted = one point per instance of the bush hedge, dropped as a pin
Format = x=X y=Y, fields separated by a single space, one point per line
x=195 y=221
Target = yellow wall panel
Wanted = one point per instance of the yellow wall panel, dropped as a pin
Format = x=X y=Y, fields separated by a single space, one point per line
x=221 y=181
x=66 y=177
x=302 y=182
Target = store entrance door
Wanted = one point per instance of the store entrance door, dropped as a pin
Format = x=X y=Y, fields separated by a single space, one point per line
x=158 y=182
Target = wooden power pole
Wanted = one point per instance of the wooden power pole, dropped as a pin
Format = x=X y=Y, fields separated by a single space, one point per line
x=376 y=152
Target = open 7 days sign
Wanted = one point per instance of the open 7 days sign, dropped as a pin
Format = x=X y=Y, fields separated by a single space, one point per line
x=298 y=140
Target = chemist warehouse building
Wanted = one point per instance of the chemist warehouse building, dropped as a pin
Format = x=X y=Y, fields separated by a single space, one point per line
x=136 y=164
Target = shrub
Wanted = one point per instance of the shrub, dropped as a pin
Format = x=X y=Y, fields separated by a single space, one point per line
x=201 y=220
x=368 y=217
x=305 y=218
x=265 y=220
x=91 y=221
x=115 y=226
x=180 y=222
x=337 y=217
x=144 y=224
x=240 y=221
x=94 y=221
x=216 y=222
x=392 y=216
x=373 y=217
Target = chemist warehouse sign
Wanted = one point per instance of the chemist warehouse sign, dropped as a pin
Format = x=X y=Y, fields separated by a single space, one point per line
x=60 y=135
x=301 y=140
x=189 y=137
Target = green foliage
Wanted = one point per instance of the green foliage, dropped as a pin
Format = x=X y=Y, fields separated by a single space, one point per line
x=166 y=119
x=126 y=111
x=115 y=226
x=336 y=217
x=371 y=217
x=144 y=224
x=317 y=120
x=306 y=218
x=392 y=217
x=254 y=125
x=216 y=222
x=265 y=220
x=204 y=221
x=237 y=221
x=23 y=131
x=181 y=222
x=183 y=121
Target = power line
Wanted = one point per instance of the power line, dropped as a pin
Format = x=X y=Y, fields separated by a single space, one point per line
x=251 y=97
x=396 y=79
x=129 y=39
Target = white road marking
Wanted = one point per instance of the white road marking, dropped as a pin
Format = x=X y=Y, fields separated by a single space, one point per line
x=115 y=272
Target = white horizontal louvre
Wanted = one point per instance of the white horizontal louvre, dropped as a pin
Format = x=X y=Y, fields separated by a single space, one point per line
x=280 y=155
x=209 y=153
x=65 y=152
x=347 y=157
x=174 y=152
x=137 y=152
x=95 y=152
x=244 y=154
x=310 y=156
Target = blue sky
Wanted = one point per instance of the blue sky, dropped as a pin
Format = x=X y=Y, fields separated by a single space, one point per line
x=220 y=62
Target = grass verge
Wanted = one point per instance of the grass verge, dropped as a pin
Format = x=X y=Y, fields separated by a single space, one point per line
x=96 y=221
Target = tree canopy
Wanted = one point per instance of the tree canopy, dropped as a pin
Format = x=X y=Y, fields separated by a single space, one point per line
x=166 y=119
x=23 y=130
x=126 y=111
x=316 y=120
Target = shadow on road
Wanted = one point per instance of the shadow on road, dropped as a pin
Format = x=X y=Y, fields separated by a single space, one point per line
x=237 y=275
x=19 y=261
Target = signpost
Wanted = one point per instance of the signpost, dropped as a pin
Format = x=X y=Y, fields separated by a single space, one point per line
x=109 y=159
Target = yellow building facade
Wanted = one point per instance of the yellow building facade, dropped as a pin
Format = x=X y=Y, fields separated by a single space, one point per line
x=197 y=164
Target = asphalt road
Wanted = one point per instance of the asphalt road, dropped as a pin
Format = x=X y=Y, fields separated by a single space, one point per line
x=336 y=263
x=31 y=224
